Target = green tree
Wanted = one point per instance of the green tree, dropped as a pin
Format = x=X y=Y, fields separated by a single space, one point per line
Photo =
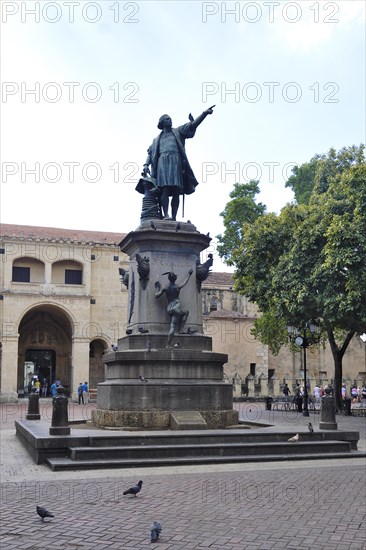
x=321 y=169
x=242 y=208
x=309 y=262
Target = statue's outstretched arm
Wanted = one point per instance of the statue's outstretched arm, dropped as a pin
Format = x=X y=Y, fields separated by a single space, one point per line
x=187 y=279
x=197 y=121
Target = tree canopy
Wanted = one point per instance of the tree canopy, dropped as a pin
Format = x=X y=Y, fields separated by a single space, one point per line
x=241 y=209
x=321 y=169
x=309 y=262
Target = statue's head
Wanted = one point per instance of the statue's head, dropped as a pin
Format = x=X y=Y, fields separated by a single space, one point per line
x=171 y=276
x=164 y=122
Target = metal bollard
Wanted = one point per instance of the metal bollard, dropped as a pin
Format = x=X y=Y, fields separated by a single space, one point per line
x=33 y=406
x=60 y=420
x=327 y=419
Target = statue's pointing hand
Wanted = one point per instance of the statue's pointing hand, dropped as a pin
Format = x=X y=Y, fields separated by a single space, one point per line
x=209 y=111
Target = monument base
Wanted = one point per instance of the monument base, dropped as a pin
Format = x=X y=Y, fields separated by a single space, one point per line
x=160 y=420
x=59 y=431
x=328 y=425
x=33 y=417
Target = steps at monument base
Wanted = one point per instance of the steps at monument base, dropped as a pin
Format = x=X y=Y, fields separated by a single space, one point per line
x=205 y=449
x=196 y=437
x=63 y=464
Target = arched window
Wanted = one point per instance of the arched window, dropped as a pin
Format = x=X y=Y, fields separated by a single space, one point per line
x=67 y=272
x=28 y=270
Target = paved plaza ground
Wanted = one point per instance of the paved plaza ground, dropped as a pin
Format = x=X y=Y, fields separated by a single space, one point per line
x=313 y=504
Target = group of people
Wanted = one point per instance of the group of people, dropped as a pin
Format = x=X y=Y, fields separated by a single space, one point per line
x=41 y=388
x=357 y=394
x=82 y=388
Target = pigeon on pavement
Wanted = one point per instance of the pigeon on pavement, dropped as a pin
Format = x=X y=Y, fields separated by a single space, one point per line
x=43 y=513
x=155 y=530
x=295 y=438
x=310 y=426
x=143 y=379
x=134 y=490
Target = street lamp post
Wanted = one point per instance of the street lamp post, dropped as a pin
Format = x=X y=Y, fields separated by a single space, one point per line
x=309 y=336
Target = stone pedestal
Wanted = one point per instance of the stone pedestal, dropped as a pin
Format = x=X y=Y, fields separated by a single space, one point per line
x=146 y=381
x=327 y=414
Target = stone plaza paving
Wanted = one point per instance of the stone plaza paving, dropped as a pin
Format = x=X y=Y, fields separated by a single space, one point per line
x=314 y=504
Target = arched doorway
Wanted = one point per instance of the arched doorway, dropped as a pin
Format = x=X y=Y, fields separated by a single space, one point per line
x=96 y=365
x=44 y=347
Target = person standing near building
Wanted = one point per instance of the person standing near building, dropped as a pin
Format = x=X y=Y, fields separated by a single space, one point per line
x=286 y=391
x=81 y=393
x=86 y=392
x=363 y=394
x=37 y=386
x=44 y=387
x=354 y=394
x=54 y=389
x=344 y=391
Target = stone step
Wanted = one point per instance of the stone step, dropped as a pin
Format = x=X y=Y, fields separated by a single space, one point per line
x=198 y=437
x=206 y=449
x=63 y=464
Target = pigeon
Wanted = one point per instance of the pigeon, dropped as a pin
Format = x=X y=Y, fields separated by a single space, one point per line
x=43 y=513
x=114 y=347
x=310 y=427
x=190 y=117
x=155 y=530
x=129 y=331
x=191 y=330
x=295 y=438
x=142 y=330
x=177 y=227
x=134 y=490
x=143 y=379
x=153 y=226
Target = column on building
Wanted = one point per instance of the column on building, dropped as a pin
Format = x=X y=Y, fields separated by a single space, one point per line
x=80 y=364
x=9 y=369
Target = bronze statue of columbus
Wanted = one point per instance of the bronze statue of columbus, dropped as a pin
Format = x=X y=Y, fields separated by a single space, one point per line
x=169 y=163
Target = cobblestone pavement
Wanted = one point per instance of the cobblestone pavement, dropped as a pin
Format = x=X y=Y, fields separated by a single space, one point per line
x=317 y=505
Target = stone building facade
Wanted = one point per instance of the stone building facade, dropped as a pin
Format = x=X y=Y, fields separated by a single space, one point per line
x=63 y=305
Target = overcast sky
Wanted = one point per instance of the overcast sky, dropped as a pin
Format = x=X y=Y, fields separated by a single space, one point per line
x=84 y=84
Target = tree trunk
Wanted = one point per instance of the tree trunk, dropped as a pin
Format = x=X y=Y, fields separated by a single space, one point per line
x=338 y=357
